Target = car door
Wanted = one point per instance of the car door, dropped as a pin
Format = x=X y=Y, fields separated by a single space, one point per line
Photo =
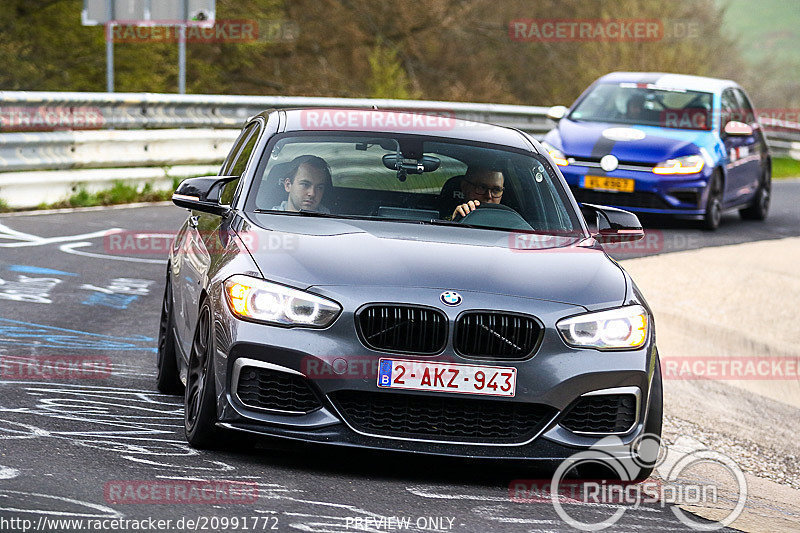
x=198 y=242
x=752 y=162
x=737 y=149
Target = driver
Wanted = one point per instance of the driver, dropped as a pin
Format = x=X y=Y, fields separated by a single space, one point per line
x=635 y=107
x=480 y=184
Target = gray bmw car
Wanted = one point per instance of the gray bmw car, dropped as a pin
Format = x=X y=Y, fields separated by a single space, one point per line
x=405 y=282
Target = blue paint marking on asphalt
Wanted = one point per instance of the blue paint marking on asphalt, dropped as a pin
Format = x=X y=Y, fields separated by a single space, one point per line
x=115 y=301
x=26 y=269
x=17 y=333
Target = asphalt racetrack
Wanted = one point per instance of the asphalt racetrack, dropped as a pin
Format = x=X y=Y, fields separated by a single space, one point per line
x=70 y=448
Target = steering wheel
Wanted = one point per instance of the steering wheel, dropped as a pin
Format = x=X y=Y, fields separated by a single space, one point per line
x=494 y=216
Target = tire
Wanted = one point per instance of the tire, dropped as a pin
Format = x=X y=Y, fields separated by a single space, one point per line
x=200 y=409
x=713 y=214
x=759 y=209
x=168 y=380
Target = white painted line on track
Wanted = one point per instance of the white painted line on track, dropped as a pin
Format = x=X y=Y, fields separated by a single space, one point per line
x=70 y=249
x=33 y=240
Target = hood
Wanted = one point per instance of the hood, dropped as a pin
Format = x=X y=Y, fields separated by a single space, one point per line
x=585 y=140
x=306 y=252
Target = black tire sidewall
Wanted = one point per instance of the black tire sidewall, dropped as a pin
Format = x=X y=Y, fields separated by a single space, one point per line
x=168 y=378
x=202 y=434
x=710 y=220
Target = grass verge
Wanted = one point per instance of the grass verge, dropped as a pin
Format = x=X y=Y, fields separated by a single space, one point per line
x=119 y=193
x=783 y=167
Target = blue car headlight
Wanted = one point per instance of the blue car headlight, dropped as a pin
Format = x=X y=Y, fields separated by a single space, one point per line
x=689 y=164
x=616 y=329
x=256 y=299
x=558 y=156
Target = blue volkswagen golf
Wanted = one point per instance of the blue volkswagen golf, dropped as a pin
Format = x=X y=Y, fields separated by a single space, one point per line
x=664 y=144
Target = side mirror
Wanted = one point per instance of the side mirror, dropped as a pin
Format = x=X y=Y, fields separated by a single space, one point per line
x=736 y=128
x=557 y=112
x=202 y=194
x=615 y=225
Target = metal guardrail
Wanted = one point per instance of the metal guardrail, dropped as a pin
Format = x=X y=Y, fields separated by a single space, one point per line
x=24 y=111
x=32 y=111
x=113 y=149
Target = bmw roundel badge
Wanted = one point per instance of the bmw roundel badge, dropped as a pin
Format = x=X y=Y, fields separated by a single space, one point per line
x=451 y=298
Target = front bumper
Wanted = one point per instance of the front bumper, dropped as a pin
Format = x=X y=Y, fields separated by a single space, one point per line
x=653 y=193
x=557 y=376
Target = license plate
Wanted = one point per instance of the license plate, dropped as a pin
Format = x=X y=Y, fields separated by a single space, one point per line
x=447 y=377
x=608 y=184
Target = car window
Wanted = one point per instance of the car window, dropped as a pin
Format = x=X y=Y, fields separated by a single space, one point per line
x=746 y=112
x=239 y=163
x=728 y=108
x=358 y=177
x=235 y=148
x=645 y=104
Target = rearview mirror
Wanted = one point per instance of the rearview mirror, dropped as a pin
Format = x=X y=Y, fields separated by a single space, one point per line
x=557 y=112
x=615 y=225
x=202 y=194
x=736 y=128
x=405 y=166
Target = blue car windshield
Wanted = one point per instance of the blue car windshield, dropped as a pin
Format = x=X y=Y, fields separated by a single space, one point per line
x=646 y=105
x=410 y=179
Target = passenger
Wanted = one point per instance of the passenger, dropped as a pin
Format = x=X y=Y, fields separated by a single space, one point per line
x=480 y=184
x=308 y=178
x=635 y=107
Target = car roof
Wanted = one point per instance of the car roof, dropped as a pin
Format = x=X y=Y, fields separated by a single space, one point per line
x=434 y=124
x=677 y=81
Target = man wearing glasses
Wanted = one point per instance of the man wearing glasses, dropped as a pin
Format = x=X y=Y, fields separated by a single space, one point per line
x=479 y=184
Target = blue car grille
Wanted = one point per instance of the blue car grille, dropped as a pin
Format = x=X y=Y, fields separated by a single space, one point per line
x=612 y=413
x=492 y=335
x=442 y=418
x=402 y=328
x=647 y=200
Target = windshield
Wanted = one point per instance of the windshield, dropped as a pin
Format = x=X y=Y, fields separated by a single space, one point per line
x=644 y=104
x=410 y=179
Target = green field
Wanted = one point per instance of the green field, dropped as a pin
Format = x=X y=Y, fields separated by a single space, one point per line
x=783 y=167
x=767 y=29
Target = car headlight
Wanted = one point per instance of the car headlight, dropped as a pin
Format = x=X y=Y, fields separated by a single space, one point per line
x=558 y=156
x=256 y=299
x=690 y=164
x=615 y=329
